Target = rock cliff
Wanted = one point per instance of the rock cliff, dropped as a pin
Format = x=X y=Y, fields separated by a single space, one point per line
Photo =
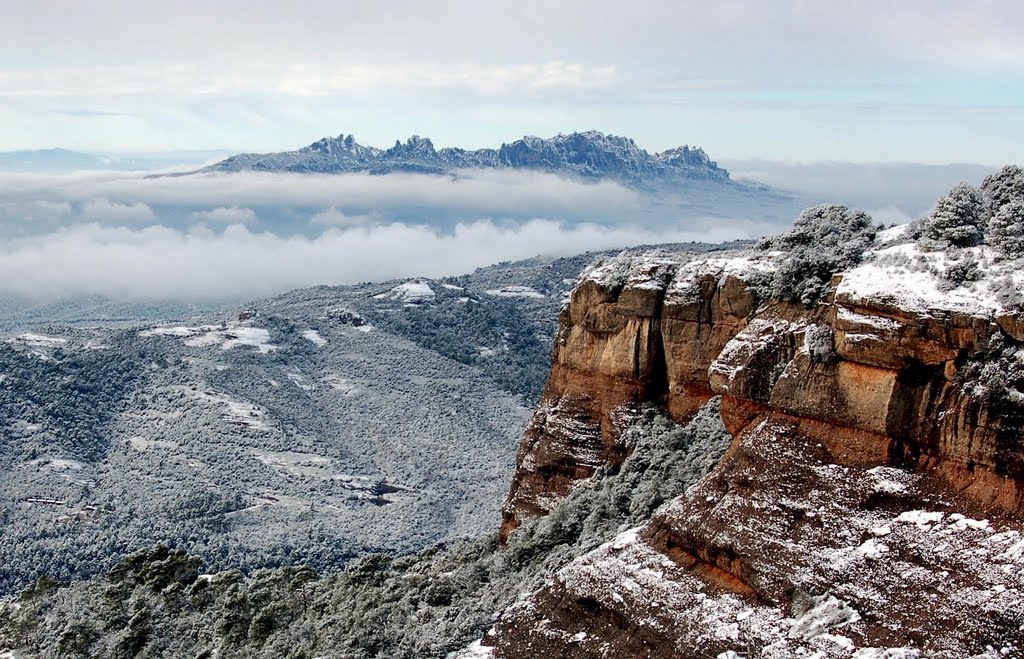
x=872 y=494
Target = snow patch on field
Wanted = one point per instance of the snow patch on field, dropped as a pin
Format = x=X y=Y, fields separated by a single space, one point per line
x=314 y=337
x=300 y=464
x=256 y=337
x=338 y=383
x=39 y=340
x=62 y=463
x=227 y=336
x=235 y=412
x=298 y=378
x=142 y=444
x=411 y=292
x=179 y=331
x=515 y=291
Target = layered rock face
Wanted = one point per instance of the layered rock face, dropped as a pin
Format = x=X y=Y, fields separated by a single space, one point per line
x=637 y=332
x=873 y=493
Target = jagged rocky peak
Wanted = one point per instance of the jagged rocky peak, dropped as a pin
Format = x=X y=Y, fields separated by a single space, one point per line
x=590 y=154
x=874 y=488
x=687 y=156
x=414 y=147
x=340 y=143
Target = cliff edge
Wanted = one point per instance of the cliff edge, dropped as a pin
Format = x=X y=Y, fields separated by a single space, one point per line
x=874 y=489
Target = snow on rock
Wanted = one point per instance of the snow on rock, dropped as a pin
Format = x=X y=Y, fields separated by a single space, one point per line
x=912 y=279
x=875 y=322
x=475 y=651
x=411 y=292
x=314 y=337
x=824 y=614
x=923 y=519
x=62 y=463
x=886 y=653
x=515 y=291
x=636 y=271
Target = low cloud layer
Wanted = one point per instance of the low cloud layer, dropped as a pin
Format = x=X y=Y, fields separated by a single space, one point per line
x=118 y=197
x=203 y=264
x=226 y=215
x=214 y=237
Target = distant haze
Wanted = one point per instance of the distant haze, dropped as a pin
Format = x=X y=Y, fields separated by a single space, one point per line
x=894 y=192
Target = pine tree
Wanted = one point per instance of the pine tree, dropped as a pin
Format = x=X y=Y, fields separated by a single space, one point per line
x=957 y=218
x=1001 y=188
x=1006 y=228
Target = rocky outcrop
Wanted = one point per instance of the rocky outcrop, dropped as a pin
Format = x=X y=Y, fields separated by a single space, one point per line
x=643 y=331
x=873 y=493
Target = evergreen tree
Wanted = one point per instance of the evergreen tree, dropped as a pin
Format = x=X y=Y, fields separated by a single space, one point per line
x=1006 y=228
x=1001 y=188
x=958 y=217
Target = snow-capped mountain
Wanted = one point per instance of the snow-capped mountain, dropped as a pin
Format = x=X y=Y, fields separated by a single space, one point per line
x=591 y=154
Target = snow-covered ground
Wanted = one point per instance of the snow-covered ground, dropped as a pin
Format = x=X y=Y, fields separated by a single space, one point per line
x=411 y=292
x=39 y=340
x=905 y=275
x=227 y=336
x=515 y=291
x=314 y=337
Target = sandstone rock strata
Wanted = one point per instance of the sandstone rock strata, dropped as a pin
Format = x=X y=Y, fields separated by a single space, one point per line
x=873 y=492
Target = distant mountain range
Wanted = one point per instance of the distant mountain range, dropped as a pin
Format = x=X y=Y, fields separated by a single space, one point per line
x=590 y=155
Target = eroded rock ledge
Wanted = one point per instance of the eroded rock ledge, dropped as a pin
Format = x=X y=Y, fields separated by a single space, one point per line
x=870 y=474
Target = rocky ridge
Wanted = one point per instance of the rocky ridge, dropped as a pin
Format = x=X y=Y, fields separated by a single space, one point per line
x=871 y=495
x=590 y=155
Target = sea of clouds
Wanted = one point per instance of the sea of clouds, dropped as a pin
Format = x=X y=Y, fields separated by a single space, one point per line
x=217 y=236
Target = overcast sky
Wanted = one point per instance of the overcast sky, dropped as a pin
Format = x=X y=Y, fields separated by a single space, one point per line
x=915 y=80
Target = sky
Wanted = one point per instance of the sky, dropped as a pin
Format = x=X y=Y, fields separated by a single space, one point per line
x=930 y=81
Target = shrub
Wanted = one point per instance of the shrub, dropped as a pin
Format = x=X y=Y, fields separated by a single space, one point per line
x=961 y=272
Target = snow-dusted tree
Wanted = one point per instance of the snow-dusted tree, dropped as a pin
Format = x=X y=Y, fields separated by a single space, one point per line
x=824 y=240
x=958 y=217
x=1001 y=188
x=1006 y=228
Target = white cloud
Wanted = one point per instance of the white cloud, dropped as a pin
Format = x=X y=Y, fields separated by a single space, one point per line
x=105 y=210
x=226 y=215
x=332 y=217
x=474 y=194
x=159 y=262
